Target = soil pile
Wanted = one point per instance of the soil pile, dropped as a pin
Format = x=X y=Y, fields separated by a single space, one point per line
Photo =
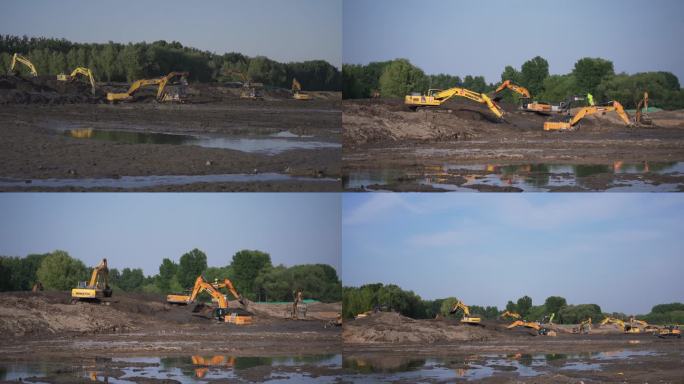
x=314 y=311
x=44 y=90
x=386 y=327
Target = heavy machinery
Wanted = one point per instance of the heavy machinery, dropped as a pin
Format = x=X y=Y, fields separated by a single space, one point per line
x=436 y=97
x=161 y=82
x=513 y=315
x=526 y=103
x=541 y=330
x=459 y=305
x=583 y=327
x=613 y=106
x=640 y=117
x=624 y=327
x=98 y=286
x=17 y=58
x=85 y=72
x=250 y=89
x=186 y=298
x=297 y=93
x=646 y=327
x=519 y=89
x=669 y=331
x=37 y=287
x=222 y=313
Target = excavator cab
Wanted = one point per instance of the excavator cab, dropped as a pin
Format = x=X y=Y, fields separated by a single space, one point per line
x=97 y=287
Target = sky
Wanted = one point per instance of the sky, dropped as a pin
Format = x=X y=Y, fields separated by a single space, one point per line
x=462 y=37
x=620 y=251
x=292 y=30
x=139 y=230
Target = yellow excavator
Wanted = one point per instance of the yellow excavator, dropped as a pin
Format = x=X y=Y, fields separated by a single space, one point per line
x=512 y=315
x=297 y=93
x=17 y=58
x=583 y=327
x=640 y=117
x=436 y=97
x=85 y=72
x=533 y=106
x=250 y=89
x=669 y=331
x=161 y=82
x=98 y=286
x=459 y=305
x=646 y=327
x=222 y=313
x=624 y=327
x=613 y=106
x=541 y=330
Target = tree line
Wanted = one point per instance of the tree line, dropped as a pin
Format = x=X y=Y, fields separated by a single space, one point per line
x=391 y=297
x=396 y=78
x=128 y=62
x=251 y=271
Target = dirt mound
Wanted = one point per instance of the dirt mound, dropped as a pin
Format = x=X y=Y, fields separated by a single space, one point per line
x=44 y=90
x=314 y=311
x=385 y=327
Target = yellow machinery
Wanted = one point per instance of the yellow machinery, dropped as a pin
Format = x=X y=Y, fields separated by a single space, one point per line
x=436 y=97
x=297 y=93
x=583 y=327
x=162 y=82
x=17 y=58
x=669 y=331
x=97 y=287
x=646 y=327
x=466 y=313
x=624 y=327
x=222 y=313
x=513 y=315
x=250 y=89
x=640 y=117
x=533 y=106
x=586 y=111
x=87 y=73
x=522 y=91
x=215 y=361
x=541 y=330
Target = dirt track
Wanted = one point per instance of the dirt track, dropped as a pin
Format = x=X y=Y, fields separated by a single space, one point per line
x=33 y=147
x=387 y=145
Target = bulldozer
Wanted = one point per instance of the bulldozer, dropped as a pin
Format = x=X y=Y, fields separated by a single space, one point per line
x=17 y=58
x=96 y=288
x=436 y=97
x=163 y=94
x=87 y=73
x=297 y=93
x=466 y=319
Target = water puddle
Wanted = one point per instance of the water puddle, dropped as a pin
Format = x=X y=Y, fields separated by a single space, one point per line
x=387 y=368
x=188 y=369
x=266 y=144
x=619 y=176
x=154 y=181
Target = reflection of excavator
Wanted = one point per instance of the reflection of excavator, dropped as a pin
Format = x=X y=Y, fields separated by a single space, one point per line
x=17 y=58
x=176 y=95
x=583 y=327
x=513 y=315
x=466 y=313
x=640 y=117
x=79 y=71
x=222 y=313
x=215 y=361
x=436 y=97
x=586 y=111
x=297 y=93
x=97 y=287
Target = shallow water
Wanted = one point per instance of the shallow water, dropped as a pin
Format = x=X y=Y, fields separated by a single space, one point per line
x=266 y=144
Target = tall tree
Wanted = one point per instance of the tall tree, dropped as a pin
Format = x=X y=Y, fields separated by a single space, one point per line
x=192 y=264
x=400 y=78
x=247 y=264
x=533 y=73
x=589 y=72
x=59 y=271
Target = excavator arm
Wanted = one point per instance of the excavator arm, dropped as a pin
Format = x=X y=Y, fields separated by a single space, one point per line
x=201 y=285
x=161 y=82
x=229 y=286
x=85 y=72
x=438 y=97
x=21 y=59
x=297 y=91
x=514 y=315
x=522 y=91
x=98 y=285
x=459 y=305
x=586 y=111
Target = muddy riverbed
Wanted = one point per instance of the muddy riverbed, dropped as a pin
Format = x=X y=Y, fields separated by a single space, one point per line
x=297 y=140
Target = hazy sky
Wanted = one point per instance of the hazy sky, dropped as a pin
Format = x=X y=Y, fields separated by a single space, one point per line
x=139 y=230
x=478 y=37
x=621 y=251
x=291 y=30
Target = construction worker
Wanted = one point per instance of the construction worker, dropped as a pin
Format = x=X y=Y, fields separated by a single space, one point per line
x=590 y=99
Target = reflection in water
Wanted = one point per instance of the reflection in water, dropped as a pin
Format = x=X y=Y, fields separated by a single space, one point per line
x=269 y=145
x=528 y=177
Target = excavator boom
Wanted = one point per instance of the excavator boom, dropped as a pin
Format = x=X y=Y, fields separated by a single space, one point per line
x=459 y=305
x=586 y=111
x=94 y=288
x=87 y=73
x=160 y=82
x=17 y=58
x=297 y=93
x=435 y=98
x=522 y=91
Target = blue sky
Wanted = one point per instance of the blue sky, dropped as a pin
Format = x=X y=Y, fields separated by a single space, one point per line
x=292 y=30
x=621 y=251
x=482 y=37
x=139 y=230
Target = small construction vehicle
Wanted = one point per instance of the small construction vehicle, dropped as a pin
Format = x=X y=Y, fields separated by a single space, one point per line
x=669 y=331
x=612 y=106
x=297 y=93
x=541 y=330
x=584 y=327
x=17 y=58
x=87 y=73
x=467 y=319
x=95 y=289
x=512 y=315
x=162 y=82
x=222 y=313
x=436 y=97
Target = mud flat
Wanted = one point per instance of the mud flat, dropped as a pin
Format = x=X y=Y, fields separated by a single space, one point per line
x=462 y=147
x=391 y=348
x=66 y=134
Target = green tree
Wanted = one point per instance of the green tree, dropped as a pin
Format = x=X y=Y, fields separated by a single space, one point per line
x=167 y=271
x=533 y=73
x=59 y=271
x=247 y=264
x=589 y=72
x=131 y=279
x=524 y=305
x=553 y=304
x=512 y=74
x=192 y=264
x=511 y=307
x=400 y=78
